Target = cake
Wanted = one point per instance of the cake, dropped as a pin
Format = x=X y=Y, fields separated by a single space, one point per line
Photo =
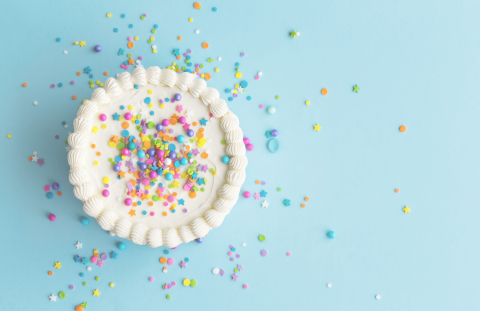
x=157 y=157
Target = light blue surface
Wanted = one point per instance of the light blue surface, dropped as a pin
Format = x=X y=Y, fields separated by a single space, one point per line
x=416 y=63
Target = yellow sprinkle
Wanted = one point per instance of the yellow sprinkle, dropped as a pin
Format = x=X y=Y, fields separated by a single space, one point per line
x=130 y=107
x=95 y=251
x=152 y=38
x=154 y=51
x=120 y=118
x=149 y=196
x=109 y=15
x=105 y=180
x=101 y=84
x=238 y=75
x=98 y=82
x=95 y=163
x=112 y=144
x=307 y=102
x=9 y=136
x=190 y=19
x=136 y=38
x=104 y=126
x=123 y=157
x=147 y=187
x=202 y=75
x=174 y=205
x=234 y=91
x=76 y=42
x=150 y=91
x=186 y=282
x=150 y=105
x=162 y=106
x=92 y=85
x=237 y=86
x=112 y=285
x=196 y=138
x=214 y=173
x=217 y=70
x=173 y=64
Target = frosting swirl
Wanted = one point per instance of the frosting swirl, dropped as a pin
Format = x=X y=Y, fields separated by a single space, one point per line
x=93 y=207
x=238 y=162
x=124 y=81
x=168 y=77
x=138 y=235
x=236 y=149
x=236 y=178
x=184 y=80
x=154 y=238
x=171 y=238
x=78 y=176
x=186 y=234
x=197 y=87
x=82 y=125
x=84 y=191
x=209 y=95
x=219 y=108
x=229 y=122
x=99 y=97
x=107 y=219
x=77 y=140
x=153 y=75
x=123 y=226
x=222 y=205
x=139 y=77
x=229 y=192
x=112 y=88
x=77 y=157
x=200 y=227
x=87 y=110
x=213 y=218
x=234 y=136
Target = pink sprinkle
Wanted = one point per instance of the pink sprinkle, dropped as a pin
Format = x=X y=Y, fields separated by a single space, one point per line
x=150 y=279
x=173 y=283
x=165 y=203
x=185 y=54
x=238 y=255
x=170 y=261
x=235 y=95
x=231 y=246
x=261 y=106
x=94 y=259
x=57 y=137
x=242 y=54
x=263 y=183
x=232 y=259
x=140 y=57
x=257 y=77
x=52 y=85
x=123 y=66
x=71 y=287
x=245 y=286
x=246 y=194
x=246 y=140
x=288 y=254
x=152 y=214
x=249 y=147
x=129 y=38
x=145 y=15
x=189 y=51
x=72 y=82
x=230 y=253
x=126 y=67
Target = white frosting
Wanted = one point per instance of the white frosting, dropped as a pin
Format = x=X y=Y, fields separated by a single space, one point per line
x=88 y=109
x=213 y=218
x=124 y=81
x=219 y=108
x=77 y=140
x=233 y=136
x=112 y=88
x=77 y=157
x=82 y=125
x=138 y=235
x=139 y=77
x=99 y=97
x=229 y=122
x=154 y=238
x=78 y=176
x=171 y=238
x=155 y=229
x=197 y=87
x=93 y=207
x=209 y=95
x=153 y=75
x=123 y=226
x=236 y=178
x=236 y=149
x=184 y=80
x=84 y=191
x=168 y=77
x=186 y=234
x=200 y=227
x=107 y=219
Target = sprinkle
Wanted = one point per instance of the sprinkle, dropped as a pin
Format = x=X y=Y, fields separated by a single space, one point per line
x=205 y=45
x=261 y=237
x=316 y=127
x=324 y=91
x=264 y=252
x=356 y=88
x=403 y=128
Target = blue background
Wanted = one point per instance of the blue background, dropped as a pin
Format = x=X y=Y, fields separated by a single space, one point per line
x=416 y=63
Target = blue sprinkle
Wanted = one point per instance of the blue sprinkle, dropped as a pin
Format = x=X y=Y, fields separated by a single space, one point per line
x=63 y=122
x=115 y=29
x=167 y=252
x=137 y=187
x=144 y=212
x=125 y=133
x=155 y=26
x=118 y=159
x=85 y=221
x=130 y=26
x=90 y=76
x=249 y=97
x=188 y=70
x=186 y=259
x=230 y=98
x=227 y=90
x=237 y=64
x=122 y=107
x=152 y=184
x=189 y=57
x=167 y=99
x=160 y=184
x=189 y=64
x=49 y=195
x=139 y=203
x=147 y=100
x=82 y=274
x=135 y=86
x=59 y=39
x=173 y=211
x=233 y=249
x=244 y=84
x=60 y=84
x=152 y=113
x=137 y=122
x=131 y=138
x=122 y=16
x=214 y=9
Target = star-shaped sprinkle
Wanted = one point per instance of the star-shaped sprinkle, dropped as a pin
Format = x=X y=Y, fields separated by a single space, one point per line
x=82 y=43
x=84 y=304
x=77 y=258
x=144 y=113
x=183 y=264
x=222 y=272
x=286 y=202
x=41 y=162
x=356 y=88
x=84 y=260
x=46 y=188
x=186 y=126
x=179 y=108
x=87 y=70
x=256 y=196
x=203 y=122
x=176 y=52
x=100 y=263
x=52 y=297
x=113 y=255
x=68 y=148
x=294 y=33
x=234 y=277
x=201 y=181
x=316 y=127
x=263 y=194
x=130 y=61
x=267 y=133
x=96 y=293
x=181 y=202
x=195 y=152
x=239 y=267
x=78 y=245
x=406 y=209
x=205 y=168
x=265 y=204
x=116 y=117
x=95 y=129
x=121 y=51
x=34 y=158
x=57 y=265
x=175 y=184
x=189 y=113
x=121 y=174
x=132 y=213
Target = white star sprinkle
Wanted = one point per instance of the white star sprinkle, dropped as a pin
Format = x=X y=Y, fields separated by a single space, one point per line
x=265 y=204
x=68 y=148
x=189 y=113
x=53 y=297
x=144 y=113
x=78 y=245
x=34 y=158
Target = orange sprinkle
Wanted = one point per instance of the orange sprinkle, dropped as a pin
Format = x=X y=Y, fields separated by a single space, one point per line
x=74 y=97
x=134 y=204
x=163 y=260
x=106 y=73
x=204 y=155
x=403 y=128
x=172 y=208
x=179 y=57
x=303 y=205
x=30 y=159
x=78 y=73
x=201 y=129
x=197 y=69
x=135 y=140
x=257 y=182
x=207 y=76
x=99 y=153
x=59 y=193
x=164 y=213
x=24 y=84
x=130 y=45
x=324 y=91
x=196 y=5
x=179 y=70
x=188 y=147
x=179 y=37
x=200 y=135
x=194 y=123
x=125 y=125
x=205 y=45
x=397 y=190
x=192 y=194
x=150 y=203
x=78 y=308
x=307 y=198
x=165 y=196
x=173 y=121
x=147 y=144
x=93 y=146
x=50 y=273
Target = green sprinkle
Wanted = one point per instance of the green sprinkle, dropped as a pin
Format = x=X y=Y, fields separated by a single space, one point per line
x=202 y=189
x=279 y=189
x=261 y=237
x=277 y=97
x=97 y=278
x=193 y=283
x=155 y=198
x=149 y=41
x=129 y=55
x=154 y=30
x=168 y=296
x=223 y=142
x=84 y=283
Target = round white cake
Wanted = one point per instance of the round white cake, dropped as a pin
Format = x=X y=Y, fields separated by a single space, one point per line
x=157 y=157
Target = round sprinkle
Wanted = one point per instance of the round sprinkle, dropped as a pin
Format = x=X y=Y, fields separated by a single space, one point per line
x=9 y=136
x=376 y=297
x=197 y=31
x=329 y=285
x=205 y=45
x=261 y=237
x=196 y=5
x=307 y=102
x=61 y=295
x=65 y=52
x=264 y=252
x=403 y=128
x=170 y=261
x=397 y=190
x=214 y=9
x=279 y=189
x=59 y=39
x=150 y=279
x=35 y=103
x=109 y=15
x=122 y=246
x=193 y=283
x=288 y=254
x=244 y=244
x=168 y=296
x=24 y=84
x=271 y=110
x=245 y=286
x=216 y=271
x=331 y=234
x=186 y=282
x=179 y=37
x=324 y=91
x=112 y=284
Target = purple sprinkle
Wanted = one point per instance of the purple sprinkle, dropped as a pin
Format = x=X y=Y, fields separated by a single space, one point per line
x=71 y=287
x=263 y=252
x=185 y=54
x=140 y=57
x=72 y=82
x=231 y=246
x=263 y=183
x=172 y=100
x=52 y=85
x=189 y=51
x=235 y=95
x=146 y=191
x=232 y=259
x=56 y=136
x=106 y=185
x=171 y=130
x=145 y=15
x=242 y=54
x=164 y=131
x=155 y=135
x=197 y=65
x=238 y=255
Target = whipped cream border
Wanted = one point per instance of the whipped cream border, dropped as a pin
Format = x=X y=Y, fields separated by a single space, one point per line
x=137 y=232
